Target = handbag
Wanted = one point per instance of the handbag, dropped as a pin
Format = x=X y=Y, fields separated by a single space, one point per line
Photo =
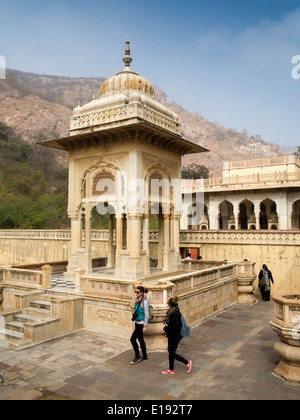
x=185 y=329
x=135 y=313
x=263 y=280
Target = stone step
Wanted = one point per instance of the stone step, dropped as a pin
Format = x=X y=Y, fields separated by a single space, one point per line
x=11 y=334
x=33 y=320
x=43 y=304
x=52 y=297
x=34 y=324
x=12 y=339
x=15 y=326
x=28 y=319
x=9 y=315
x=36 y=311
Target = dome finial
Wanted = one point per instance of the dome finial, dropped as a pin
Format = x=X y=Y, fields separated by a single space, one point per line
x=127 y=59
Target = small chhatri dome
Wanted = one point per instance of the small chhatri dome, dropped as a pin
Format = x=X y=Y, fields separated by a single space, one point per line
x=126 y=81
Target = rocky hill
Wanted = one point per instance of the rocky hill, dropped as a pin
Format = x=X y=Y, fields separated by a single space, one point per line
x=38 y=107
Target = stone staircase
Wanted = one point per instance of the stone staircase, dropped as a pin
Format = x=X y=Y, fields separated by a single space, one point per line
x=48 y=316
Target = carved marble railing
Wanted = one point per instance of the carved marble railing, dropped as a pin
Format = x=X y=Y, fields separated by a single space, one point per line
x=200 y=278
x=38 y=279
x=280 y=160
x=103 y=286
x=192 y=186
x=188 y=236
x=119 y=113
x=124 y=289
x=200 y=264
x=59 y=266
x=241 y=237
x=35 y=234
x=63 y=234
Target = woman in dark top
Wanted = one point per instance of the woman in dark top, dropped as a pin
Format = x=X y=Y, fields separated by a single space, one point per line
x=172 y=327
x=265 y=278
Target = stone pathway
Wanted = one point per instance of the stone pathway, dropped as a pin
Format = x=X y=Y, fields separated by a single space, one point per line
x=233 y=358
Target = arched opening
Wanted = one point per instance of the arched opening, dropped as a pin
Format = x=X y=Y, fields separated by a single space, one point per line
x=204 y=225
x=156 y=222
x=268 y=214
x=161 y=198
x=102 y=217
x=195 y=216
x=246 y=215
x=99 y=219
x=263 y=218
x=226 y=215
x=243 y=218
x=296 y=215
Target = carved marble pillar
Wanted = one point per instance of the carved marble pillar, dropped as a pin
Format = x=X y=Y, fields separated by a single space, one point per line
x=177 y=265
x=76 y=236
x=75 y=232
x=166 y=245
x=160 y=241
x=85 y=253
x=119 y=243
x=119 y=234
x=146 y=244
x=132 y=260
x=1 y=298
x=111 y=248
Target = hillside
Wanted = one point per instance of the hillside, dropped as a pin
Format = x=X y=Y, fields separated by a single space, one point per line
x=33 y=190
x=39 y=107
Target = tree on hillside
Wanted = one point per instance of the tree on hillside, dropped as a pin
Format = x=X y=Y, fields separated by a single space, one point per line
x=5 y=132
x=31 y=197
x=195 y=171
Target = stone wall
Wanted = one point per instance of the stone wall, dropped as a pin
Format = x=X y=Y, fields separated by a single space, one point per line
x=108 y=303
x=279 y=250
x=20 y=247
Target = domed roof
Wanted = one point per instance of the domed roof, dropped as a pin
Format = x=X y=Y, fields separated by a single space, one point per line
x=126 y=81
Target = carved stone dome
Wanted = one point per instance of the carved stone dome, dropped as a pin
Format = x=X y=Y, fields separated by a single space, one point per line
x=126 y=81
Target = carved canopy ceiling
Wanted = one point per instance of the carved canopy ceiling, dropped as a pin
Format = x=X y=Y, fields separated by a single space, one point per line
x=143 y=133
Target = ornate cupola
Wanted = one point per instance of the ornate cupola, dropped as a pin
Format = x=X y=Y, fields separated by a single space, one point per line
x=127 y=81
x=124 y=98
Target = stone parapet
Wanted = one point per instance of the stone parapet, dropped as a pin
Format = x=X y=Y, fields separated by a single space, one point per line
x=109 y=302
x=241 y=237
x=38 y=279
x=114 y=115
x=286 y=237
x=286 y=324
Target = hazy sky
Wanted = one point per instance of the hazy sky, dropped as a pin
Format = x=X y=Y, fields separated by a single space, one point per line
x=229 y=60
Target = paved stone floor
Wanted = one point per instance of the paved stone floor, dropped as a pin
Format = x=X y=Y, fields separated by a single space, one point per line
x=232 y=353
